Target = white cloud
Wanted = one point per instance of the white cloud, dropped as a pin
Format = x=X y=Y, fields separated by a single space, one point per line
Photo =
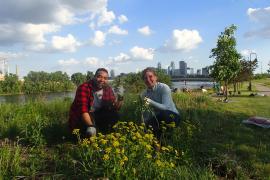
x=116 y=30
x=10 y=55
x=66 y=44
x=246 y=52
x=142 y=53
x=145 y=31
x=25 y=33
x=69 y=62
x=106 y=18
x=99 y=39
x=121 y=58
x=260 y=14
x=28 y=21
x=183 y=40
x=122 y=19
x=91 y=61
x=262 y=17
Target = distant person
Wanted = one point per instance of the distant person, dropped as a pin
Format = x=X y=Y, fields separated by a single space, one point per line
x=95 y=107
x=203 y=89
x=158 y=96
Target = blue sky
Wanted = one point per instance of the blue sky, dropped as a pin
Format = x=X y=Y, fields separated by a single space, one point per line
x=127 y=35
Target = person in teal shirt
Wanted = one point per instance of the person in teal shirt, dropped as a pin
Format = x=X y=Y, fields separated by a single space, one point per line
x=158 y=97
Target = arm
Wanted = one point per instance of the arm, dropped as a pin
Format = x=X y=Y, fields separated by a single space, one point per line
x=166 y=99
x=87 y=119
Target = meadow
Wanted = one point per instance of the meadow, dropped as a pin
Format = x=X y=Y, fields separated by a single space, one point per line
x=211 y=142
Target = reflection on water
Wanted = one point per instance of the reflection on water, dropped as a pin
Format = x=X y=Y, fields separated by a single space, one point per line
x=192 y=84
x=23 y=98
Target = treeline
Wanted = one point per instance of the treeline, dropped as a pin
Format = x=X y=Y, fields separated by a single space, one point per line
x=36 y=82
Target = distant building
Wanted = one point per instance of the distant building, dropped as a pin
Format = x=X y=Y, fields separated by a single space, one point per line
x=205 y=71
x=159 y=65
x=199 y=72
x=191 y=72
x=112 y=73
x=183 y=68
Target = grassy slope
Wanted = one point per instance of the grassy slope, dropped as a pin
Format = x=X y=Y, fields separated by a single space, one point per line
x=211 y=135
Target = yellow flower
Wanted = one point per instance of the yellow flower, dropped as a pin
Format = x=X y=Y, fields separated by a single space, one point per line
x=164 y=148
x=125 y=158
x=103 y=141
x=148 y=156
x=93 y=139
x=159 y=163
x=117 y=151
x=95 y=145
x=148 y=147
x=138 y=135
x=76 y=131
x=121 y=163
x=85 y=142
x=108 y=150
x=172 y=165
x=106 y=157
x=172 y=125
x=116 y=144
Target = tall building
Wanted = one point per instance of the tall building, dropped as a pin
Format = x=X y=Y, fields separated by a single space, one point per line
x=199 y=72
x=183 y=68
x=4 y=69
x=172 y=68
x=159 y=65
x=112 y=74
x=205 y=71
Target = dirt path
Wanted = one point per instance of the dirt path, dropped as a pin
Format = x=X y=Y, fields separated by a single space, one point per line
x=262 y=89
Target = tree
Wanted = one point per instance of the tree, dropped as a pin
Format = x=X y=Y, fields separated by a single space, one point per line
x=268 y=71
x=89 y=75
x=226 y=65
x=78 y=78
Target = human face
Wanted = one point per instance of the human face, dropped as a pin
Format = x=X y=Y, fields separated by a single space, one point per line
x=101 y=79
x=150 y=79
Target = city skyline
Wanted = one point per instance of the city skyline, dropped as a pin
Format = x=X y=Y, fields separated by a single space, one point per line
x=127 y=35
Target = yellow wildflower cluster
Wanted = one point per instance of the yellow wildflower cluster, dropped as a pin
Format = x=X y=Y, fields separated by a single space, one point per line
x=129 y=143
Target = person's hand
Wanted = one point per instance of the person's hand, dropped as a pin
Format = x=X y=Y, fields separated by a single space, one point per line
x=147 y=101
x=91 y=131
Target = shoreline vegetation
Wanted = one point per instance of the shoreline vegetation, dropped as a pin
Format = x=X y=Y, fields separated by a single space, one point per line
x=210 y=143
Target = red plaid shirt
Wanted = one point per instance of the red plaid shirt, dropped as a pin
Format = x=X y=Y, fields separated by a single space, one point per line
x=84 y=100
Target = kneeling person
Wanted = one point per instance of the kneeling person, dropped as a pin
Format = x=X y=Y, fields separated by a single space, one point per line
x=94 y=106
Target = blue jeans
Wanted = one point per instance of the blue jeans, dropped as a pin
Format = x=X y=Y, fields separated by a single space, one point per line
x=163 y=115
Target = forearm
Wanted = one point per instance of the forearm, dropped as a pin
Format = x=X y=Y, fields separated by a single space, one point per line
x=87 y=119
x=156 y=104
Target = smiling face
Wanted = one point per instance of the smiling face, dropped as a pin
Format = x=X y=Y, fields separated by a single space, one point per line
x=150 y=79
x=101 y=79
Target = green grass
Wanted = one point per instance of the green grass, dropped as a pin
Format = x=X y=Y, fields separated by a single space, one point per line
x=265 y=82
x=214 y=142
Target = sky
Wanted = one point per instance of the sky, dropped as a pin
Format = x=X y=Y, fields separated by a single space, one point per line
x=127 y=35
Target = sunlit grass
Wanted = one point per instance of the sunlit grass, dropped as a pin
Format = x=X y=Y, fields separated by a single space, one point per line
x=211 y=142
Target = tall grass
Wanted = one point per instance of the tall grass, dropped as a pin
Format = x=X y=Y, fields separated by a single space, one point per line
x=213 y=141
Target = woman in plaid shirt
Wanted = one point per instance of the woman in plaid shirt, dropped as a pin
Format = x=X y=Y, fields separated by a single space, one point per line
x=94 y=106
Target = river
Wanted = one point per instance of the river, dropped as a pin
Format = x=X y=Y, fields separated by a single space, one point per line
x=192 y=84
x=23 y=98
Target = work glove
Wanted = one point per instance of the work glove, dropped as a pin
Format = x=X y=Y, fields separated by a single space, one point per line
x=91 y=131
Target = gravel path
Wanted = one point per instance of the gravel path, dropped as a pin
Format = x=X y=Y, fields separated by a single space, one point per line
x=262 y=89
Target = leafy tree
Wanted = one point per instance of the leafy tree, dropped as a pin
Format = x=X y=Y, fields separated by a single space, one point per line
x=226 y=65
x=78 y=78
x=268 y=71
x=11 y=84
x=89 y=75
x=133 y=82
